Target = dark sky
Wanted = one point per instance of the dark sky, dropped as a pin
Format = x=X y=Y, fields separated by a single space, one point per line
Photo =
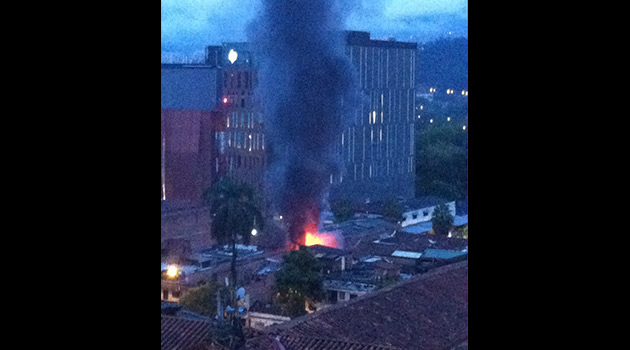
x=187 y=26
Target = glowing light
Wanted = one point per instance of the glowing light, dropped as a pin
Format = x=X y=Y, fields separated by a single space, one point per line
x=448 y=119
x=171 y=271
x=464 y=127
x=225 y=100
x=254 y=232
x=310 y=239
x=431 y=121
x=324 y=239
x=232 y=56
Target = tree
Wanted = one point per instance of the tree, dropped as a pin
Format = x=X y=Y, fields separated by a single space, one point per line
x=442 y=161
x=298 y=282
x=202 y=299
x=342 y=210
x=234 y=214
x=392 y=210
x=442 y=220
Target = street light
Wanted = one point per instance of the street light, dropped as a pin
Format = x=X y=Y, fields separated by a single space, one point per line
x=254 y=232
x=172 y=271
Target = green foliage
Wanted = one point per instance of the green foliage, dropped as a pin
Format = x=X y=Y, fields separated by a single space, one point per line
x=299 y=280
x=234 y=210
x=342 y=210
x=202 y=299
x=392 y=210
x=442 y=161
x=442 y=220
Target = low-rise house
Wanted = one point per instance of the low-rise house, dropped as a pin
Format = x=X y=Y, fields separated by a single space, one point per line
x=261 y=315
x=421 y=209
x=332 y=259
x=425 y=312
x=340 y=290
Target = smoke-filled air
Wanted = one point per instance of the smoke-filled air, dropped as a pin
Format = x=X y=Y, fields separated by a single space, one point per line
x=306 y=86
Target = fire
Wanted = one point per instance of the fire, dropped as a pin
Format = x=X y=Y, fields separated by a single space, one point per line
x=324 y=239
x=311 y=237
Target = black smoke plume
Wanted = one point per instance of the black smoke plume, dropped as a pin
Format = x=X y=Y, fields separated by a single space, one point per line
x=305 y=85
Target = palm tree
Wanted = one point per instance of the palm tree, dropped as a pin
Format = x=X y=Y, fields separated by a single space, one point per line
x=235 y=213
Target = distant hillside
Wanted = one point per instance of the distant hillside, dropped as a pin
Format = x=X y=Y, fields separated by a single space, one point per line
x=443 y=64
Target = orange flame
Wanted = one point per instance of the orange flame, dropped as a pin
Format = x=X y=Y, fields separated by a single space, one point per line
x=324 y=239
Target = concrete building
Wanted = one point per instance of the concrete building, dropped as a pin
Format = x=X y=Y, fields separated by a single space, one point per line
x=377 y=148
x=244 y=139
x=191 y=125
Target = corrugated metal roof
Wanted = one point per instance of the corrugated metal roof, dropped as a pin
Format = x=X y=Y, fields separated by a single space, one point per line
x=404 y=254
x=442 y=254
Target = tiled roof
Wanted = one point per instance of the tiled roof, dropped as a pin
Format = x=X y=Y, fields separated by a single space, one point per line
x=183 y=333
x=292 y=342
x=428 y=311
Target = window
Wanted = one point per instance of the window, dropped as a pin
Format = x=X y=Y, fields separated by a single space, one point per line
x=176 y=293
x=415 y=216
x=342 y=295
x=425 y=213
x=165 y=294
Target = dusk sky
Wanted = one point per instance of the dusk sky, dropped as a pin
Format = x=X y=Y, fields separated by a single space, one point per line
x=187 y=26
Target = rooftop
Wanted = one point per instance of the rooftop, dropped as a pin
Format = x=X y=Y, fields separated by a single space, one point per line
x=358 y=38
x=323 y=252
x=409 y=242
x=180 y=333
x=428 y=311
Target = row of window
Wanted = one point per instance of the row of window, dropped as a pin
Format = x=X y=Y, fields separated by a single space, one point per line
x=376 y=169
x=242 y=162
x=383 y=67
x=377 y=142
x=245 y=140
x=242 y=119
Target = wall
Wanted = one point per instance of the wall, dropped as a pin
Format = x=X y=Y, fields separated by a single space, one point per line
x=258 y=320
x=191 y=224
x=421 y=217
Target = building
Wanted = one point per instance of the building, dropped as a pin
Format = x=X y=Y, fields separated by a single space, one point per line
x=261 y=315
x=244 y=139
x=332 y=260
x=425 y=312
x=185 y=228
x=190 y=126
x=421 y=209
x=377 y=148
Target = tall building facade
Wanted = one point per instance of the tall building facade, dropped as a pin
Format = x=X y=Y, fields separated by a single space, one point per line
x=190 y=122
x=377 y=147
x=243 y=139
